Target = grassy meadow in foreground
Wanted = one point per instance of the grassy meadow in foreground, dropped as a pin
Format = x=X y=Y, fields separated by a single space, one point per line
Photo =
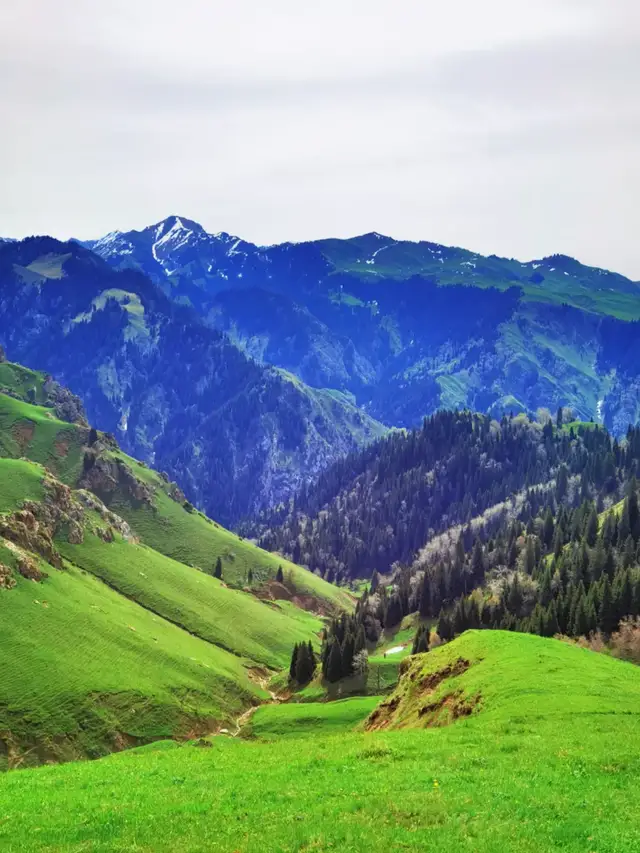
x=549 y=762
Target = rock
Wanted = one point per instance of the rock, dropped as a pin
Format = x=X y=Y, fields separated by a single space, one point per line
x=105 y=533
x=7 y=580
x=24 y=530
x=67 y=406
x=30 y=571
x=104 y=477
x=75 y=535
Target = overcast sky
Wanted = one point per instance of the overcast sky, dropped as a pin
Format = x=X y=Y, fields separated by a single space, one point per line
x=506 y=126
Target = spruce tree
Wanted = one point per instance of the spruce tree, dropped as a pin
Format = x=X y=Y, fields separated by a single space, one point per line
x=305 y=664
x=217 y=572
x=548 y=528
x=580 y=626
x=444 y=627
x=292 y=665
x=280 y=575
x=334 y=663
x=591 y=532
x=562 y=482
x=347 y=655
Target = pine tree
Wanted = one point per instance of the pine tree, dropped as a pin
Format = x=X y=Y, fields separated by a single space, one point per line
x=292 y=665
x=250 y=577
x=280 y=575
x=529 y=556
x=591 y=532
x=444 y=628
x=580 y=626
x=334 y=663
x=347 y=655
x=425 y=597
x=562 y=482
x=514 y=597
x=305 y=664
x=375 y=582
x=217 y=572
x=477 y=562
x=548 y=528
x=421 y=640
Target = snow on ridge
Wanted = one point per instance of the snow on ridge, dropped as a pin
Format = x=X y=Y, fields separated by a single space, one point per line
x=174 y=238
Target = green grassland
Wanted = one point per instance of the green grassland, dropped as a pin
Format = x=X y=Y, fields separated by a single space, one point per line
x=566 y=282
x=86 y=671
x=34 y=432
x=547 y=762
x=263 y=633
x=129 y=644
x=20 y=480
x=309 y=719
x=192 y=538
x=28 y=384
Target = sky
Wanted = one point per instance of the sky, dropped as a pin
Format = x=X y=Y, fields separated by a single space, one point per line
x=504 y=126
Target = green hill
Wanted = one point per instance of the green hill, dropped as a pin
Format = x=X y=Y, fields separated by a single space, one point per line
x=547 y=761
x=106 y=642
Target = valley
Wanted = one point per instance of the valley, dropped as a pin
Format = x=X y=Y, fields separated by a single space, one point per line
x=547 y=761
x=420 y=637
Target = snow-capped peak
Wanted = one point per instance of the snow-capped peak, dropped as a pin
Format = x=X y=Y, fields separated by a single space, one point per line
x=170 y=239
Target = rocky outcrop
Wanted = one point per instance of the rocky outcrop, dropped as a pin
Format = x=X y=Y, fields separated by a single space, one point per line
x=67 y=406
x=113 y=521
x=7 y=580
x=104 y=477
x=25 y=530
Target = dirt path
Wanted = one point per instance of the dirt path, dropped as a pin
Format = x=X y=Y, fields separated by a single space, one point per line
x=262 y=680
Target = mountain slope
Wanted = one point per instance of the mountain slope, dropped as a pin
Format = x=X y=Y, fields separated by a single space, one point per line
x=409 y=327
x=556 y=772
x=237 y=436
x=381 y=506
x=107 y=642
x=502 y=675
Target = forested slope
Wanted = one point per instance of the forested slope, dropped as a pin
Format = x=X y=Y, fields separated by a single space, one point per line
x=383 y=505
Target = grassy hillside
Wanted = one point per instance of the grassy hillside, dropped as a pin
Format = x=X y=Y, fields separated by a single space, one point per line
x=501 y=676
x=85 y=671
x=549 y=762
x=36 y=433
x=309 y=719
x=258 y=631
x=124 y=644
x=163 y=523
x=192 y=538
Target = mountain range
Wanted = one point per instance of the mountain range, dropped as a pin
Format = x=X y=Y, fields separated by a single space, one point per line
x=245 y=371
x=235 y=434
x=407 y=328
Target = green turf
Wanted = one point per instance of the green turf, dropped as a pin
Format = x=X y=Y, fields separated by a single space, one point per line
x=84 y=671
x=304 y=719
x=550 y=763
x=28 y=384
x=263 y=633
x=35 y=432
x=192 y=538
x=20 y=480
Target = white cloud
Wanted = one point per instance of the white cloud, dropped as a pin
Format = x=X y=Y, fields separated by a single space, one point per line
x=508 y=126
